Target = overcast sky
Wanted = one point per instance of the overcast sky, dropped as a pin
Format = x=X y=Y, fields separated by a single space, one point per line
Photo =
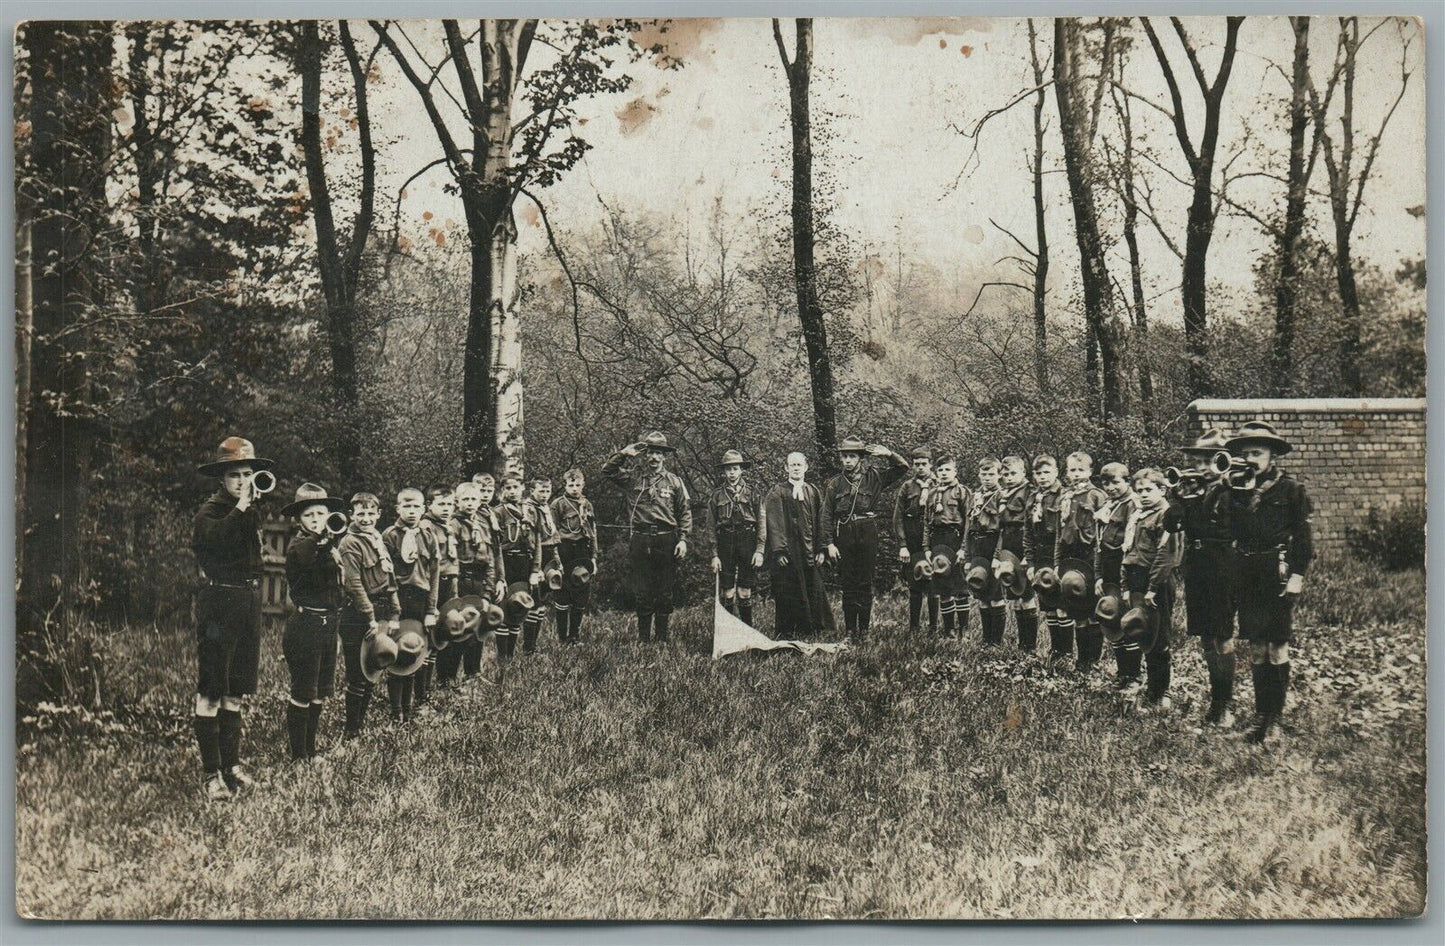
x=679 y=140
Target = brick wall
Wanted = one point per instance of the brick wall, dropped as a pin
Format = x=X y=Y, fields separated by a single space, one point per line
x=1353 y=455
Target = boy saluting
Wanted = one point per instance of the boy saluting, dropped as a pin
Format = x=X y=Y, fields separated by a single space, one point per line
x=227 y=542
x=851 y=526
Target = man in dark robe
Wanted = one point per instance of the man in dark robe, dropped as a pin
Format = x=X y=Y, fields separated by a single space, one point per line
x=790 y=533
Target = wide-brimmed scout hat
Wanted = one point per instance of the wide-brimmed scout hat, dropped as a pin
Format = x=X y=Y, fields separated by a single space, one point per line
x=1258 y=432
x=377 y=654
x=581 y=574
x=233 y=451
x=852 y=445
x=656 y=440
x=1076 y=585
x=1140 y=627
x=412 y=649
x=1010 y=574
x=492 y=613
x=1046 y=584
x=1107 y=611
x=978 y=577
x=734 y=458
x=1209 y=443
x=942 y=563
x=519 y=601
x=552 y=574
x=922 y=570
x=457 y=620
x=309 y=494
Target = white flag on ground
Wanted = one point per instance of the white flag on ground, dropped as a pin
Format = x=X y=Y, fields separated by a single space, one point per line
x=731 y=636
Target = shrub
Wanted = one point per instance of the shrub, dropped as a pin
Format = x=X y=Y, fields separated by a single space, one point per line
x=1392 y=538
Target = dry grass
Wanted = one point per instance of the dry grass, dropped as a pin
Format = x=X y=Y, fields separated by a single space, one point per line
x=906 y=778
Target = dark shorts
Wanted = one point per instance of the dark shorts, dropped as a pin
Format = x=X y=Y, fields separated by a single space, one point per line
x=574 y=593
x=309 y=646
x=472 y=580
x=1136 y=585
x=415 y=602
x=517 y=566
x=1265 y=615
x=735 y=548
x=981 y=549
x=228 y=640
x=354 y=626
x=654 y=570
x=947 y=540
x=857 y=543
x=1209 y=592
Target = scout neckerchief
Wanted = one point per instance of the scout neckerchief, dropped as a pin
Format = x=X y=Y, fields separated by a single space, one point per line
x=923 y=483
x=942 y=492
x=647 y=485
x=855 y=484
x=1131 y=530
x=1263 y=484
x=1037 y=514
x=1105 y=513
x=1066 y=501
x=733 y=496
x=378 y=546
x=549 y=525
x=410 y=542
x=516 y=520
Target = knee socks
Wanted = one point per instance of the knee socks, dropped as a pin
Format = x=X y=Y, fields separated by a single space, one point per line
x=745 y=610
x=1091 y=645
x=208 y=740
x=1061 y=636
x=228 y=722
x=1028 y=623
x=313 y=724
x=562 y=617
x=574 y=624
x=1158 y=663
x=946 y=608
x=644 y=626
x=915 y=609
x=358 y=698
x=297 y=720
x=662 y=621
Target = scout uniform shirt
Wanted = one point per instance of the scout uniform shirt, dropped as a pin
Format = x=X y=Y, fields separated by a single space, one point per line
x=1149 y=543
x=910 y=507
x=658 y=502
x=947 y=506
x=1078 y=527
x=446 y=544
x=367 y=574
x=1041 y=530
x=734 y=508
x=548 y=536
x=313 y=572
x=472 y=534
x=856 y=497
x=576 y=519
x=1014 y=504
x=227 y=541
x=415 y=558
x=517 y=531
x=1274 y=515
x=1203 y=518
x=1113 y=519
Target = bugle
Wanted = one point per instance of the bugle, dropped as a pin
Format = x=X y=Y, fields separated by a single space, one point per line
x=337 y=523
x=1237 y=471
x=262 y=482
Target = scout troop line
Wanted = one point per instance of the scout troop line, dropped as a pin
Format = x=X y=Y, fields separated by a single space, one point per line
x=412 y=604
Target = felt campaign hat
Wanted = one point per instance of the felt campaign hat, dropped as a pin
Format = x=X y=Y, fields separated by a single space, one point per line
x=734 y=458
x=942 y=563
x=581 y=574
x=378 y=652
x=1140 y=627
x=1046 y=583
x=412 y=649
x=1209 y=443
x=457 y=620
x=1011 y=574
x=656 y=440
x=1076 y=585
x=978 y=577
x=1107 y=611
x=492 y=613
x=1257 y=432
x=233 y=451
x=922 y=570
x=309 y=494
x=519 y=601
x=852 y=445
x=552 y=574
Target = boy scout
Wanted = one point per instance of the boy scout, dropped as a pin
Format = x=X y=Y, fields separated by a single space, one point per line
x=1151 y=553
x=1078 y=538
x=370 y=585
x=851 y=526
x=521 y=560
x=910 y=507
x=1114 y=518
x=417 y=563
x=1270 y=521
x=735 y=509
x=1041 y=534
x=1199 y=512
x=984 y=522
x=313 y=578
x=226 y=539
x=577 y=549
x=945 y=528
x=539 y=510
x=476 y=575
x=1014 y=502
x=659 y=521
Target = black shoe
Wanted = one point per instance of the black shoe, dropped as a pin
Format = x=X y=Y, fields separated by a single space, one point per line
x=237 y=779
x=1260 y=730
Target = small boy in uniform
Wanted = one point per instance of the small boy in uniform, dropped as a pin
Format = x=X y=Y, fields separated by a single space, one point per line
x=313 y=577
x=226 y=539
x=945 y=535
x=1114 y=518
x=984 y=521
x=1041 y=536
x=1151 y=553
x=910 y=508
x=539 y=508
x=577 y=549
x=735 y=508
x=475 y=576
x=440 y=504
x=369 y=580
x=1271 y=527
x=521 y=558
x=417 y=563
x=1015 y=503
x=1078 y=538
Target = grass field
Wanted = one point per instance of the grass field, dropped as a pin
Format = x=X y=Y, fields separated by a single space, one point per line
x=903 y=778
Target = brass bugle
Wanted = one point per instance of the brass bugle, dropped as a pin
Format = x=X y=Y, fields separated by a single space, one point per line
x=263 y=481
x=337 y=523
x=1174 y=476
x=1224 y=462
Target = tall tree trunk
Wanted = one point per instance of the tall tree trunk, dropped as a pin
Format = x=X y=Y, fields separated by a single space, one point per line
x=805 y=273
x=1286 y=280
x=69 y=114
x=338 y=273
x=1041 y=233
x=24 y=332
x=1350 y=346
x=1074 y=126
